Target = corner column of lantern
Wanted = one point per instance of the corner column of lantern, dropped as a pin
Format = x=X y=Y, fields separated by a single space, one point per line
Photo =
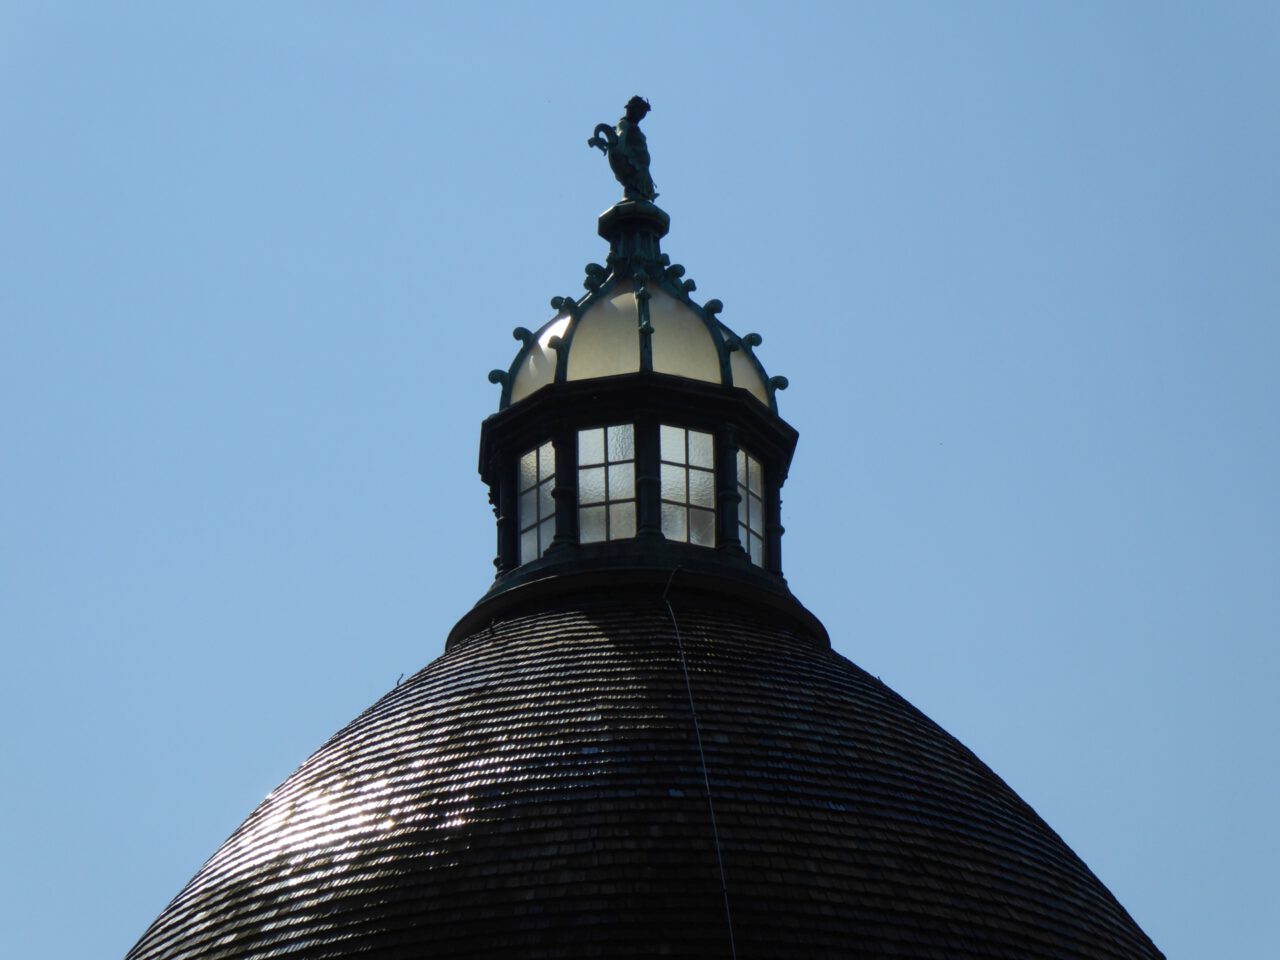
x=727 y=497
x=564 y=439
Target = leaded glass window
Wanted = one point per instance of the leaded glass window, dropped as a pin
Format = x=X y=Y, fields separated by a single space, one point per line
x=751 y=507
x=606 y=483
x=537 y=507
x=688 y=486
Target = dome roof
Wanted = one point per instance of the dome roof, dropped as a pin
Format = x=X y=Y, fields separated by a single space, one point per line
x=538 y=792
x=632 y=320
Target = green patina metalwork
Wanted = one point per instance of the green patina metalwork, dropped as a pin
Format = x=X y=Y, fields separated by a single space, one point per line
x=628 y=151
x=634 y=228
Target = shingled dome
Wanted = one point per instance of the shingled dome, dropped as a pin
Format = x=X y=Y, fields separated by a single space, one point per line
x=538 y=792
x=638 y=743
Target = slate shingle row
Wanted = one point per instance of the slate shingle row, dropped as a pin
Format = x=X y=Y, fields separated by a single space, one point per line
x=537 y=792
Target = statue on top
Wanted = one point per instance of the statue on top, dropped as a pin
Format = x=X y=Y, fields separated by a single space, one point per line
x=628 y=151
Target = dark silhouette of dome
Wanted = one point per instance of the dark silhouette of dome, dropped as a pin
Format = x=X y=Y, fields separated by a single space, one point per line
x=537 y=792
x=638 y=742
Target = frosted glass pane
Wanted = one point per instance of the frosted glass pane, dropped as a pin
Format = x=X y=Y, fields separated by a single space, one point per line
x=746 y=375
x=529 y=545
x=681 y=342
x=591 y=485
x=701 y=453
x=622 y=444
x=757 y=514
x=757 y=551
x=755 y=481
x=672 y=444
x=591 y=524
x=622 y=481
x=539 y=366
x=591 y=446
x=528 y=470
x=622 y=521
x=673 y=483
x=528 y=508
x=546 y=530
x=702 y=528
x=546 y=505
x=606 y=338
x=673 y=522
x=702 y=488
x=742 y=468
x=546 y=461
x=743 y=516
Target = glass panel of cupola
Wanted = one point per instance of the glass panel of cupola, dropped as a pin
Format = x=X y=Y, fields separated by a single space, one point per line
x=702 y=527
x=750 y=482
x=701 y=450
x=622 y=443
x=606 y=338
x=539 y=366
x=606 y=483
x=688 y=486
x=536 y=511
x=746 y=375
x=681 y=343
x=590 y=446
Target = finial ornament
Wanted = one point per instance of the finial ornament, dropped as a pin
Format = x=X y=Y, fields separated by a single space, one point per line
x=628 y=151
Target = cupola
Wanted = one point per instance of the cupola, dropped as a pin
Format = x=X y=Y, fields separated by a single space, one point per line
x=635 y=429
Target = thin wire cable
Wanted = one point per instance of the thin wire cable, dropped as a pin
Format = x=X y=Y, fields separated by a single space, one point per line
x=702 y=758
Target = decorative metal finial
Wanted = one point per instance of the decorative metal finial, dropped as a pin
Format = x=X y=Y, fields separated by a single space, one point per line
x=628 y=151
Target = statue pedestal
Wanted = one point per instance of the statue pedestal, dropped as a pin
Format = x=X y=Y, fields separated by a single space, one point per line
x=633 y=217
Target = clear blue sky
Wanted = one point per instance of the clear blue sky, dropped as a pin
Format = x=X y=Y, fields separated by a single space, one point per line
x=1018 y=260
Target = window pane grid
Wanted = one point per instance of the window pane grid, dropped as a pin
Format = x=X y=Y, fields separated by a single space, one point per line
x=751 y=506
x=536 y=505
x=606 y=483
x=688 y=486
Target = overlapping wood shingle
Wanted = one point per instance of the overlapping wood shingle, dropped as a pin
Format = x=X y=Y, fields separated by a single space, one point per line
x=537 y=792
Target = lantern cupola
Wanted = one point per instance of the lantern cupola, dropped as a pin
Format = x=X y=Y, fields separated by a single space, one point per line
x=635 y=429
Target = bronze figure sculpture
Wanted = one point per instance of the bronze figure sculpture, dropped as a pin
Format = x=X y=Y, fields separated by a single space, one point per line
x=628 y=151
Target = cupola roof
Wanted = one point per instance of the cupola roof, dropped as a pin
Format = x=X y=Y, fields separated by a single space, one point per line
x=636 y=317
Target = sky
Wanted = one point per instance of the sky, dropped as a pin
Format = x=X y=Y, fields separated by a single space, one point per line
x=1017 y=260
